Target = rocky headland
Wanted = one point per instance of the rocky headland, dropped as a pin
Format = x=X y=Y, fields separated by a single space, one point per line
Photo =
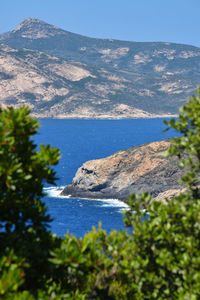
x=138 y=169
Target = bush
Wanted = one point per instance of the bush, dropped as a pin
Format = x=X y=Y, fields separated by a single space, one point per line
x=158 y=258
x=161 y=258
x=23 y=171
x=12 y=277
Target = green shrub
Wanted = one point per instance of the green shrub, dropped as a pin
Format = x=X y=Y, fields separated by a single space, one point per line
x=158 y=258
x=23 y=171
x=12 y=274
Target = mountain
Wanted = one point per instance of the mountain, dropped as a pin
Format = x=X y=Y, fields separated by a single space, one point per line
x=70 y=75
x=54 y=87
x=138 y=169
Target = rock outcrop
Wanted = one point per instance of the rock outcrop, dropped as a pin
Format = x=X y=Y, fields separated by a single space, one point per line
x=141 y=168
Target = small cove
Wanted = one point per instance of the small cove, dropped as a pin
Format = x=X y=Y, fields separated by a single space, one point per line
x=82 y=140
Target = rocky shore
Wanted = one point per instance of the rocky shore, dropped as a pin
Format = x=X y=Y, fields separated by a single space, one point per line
x=141 y=168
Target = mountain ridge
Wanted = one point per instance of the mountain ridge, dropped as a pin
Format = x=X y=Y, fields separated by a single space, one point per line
x=124 y=79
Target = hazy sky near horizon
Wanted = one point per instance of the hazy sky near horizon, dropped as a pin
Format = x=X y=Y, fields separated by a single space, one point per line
x=134 y=20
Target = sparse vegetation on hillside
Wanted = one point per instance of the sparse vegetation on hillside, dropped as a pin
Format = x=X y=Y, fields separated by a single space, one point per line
x=52 y=62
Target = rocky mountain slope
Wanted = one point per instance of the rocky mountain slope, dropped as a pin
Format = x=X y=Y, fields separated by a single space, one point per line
x=54 y=87
x=62 y=74
x=141 y=168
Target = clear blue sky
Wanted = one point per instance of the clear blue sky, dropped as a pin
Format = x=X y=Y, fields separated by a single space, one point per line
x=134 y=20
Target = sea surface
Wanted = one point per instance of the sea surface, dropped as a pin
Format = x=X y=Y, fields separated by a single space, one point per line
x=83 y=140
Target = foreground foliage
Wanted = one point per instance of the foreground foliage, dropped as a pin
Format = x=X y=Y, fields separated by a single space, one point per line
x=157 y=258
x=23 y=171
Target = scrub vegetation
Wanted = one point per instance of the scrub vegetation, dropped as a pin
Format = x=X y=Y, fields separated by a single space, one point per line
x=158 y=258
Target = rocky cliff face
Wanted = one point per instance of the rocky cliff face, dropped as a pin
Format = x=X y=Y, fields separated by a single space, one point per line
x=62 y=74
x=141 y=168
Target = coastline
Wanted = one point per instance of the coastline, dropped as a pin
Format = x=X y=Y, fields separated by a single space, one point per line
x=126 y=172
x=78 y=117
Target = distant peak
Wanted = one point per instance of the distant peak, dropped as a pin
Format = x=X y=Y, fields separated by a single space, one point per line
x=28 y=21
x=35 y=28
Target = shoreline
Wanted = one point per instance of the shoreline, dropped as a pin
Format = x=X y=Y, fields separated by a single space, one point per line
x=114 y=118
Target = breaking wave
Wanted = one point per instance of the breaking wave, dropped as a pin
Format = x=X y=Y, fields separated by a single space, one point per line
x=55 y=193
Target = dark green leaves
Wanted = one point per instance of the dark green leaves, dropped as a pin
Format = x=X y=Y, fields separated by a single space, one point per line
x=23 y=171
x=158 y=258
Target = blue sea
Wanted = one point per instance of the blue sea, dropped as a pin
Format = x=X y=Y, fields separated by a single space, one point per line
x=80 y=141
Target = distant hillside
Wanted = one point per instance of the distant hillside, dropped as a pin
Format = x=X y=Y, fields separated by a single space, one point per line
x=62 y=74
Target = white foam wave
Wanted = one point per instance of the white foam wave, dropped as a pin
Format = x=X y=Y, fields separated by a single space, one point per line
x=114 y=203
x=55 y=192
